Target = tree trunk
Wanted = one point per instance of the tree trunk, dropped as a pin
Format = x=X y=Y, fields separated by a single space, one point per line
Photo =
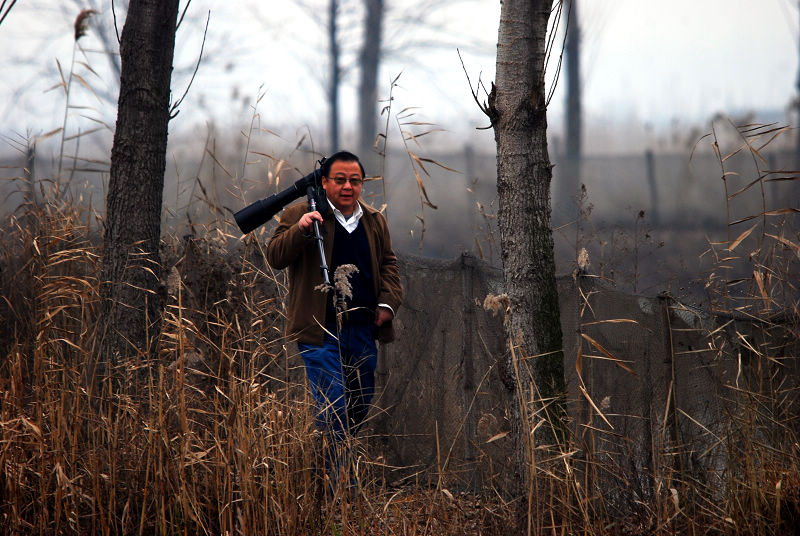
x=368 y=88
x=573 y=60
x=570 y=177
x=795 y=198
x=517 y=109
x=335 y=76
x=131 y=270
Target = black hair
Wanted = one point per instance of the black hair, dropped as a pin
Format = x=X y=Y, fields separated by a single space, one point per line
x=340 y=156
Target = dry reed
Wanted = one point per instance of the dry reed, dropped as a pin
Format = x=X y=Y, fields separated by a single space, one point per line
x=216 y=436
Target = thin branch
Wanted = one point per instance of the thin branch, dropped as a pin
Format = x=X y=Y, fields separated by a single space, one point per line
x=116 y=28
x=483 y=107
x=560 y=56
x=312 y=12
x=196 y=68
x=4 y=14
x=185 y=9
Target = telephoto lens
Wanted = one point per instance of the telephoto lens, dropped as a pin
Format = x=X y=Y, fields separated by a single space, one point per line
x=260 y=212
x=257 y=214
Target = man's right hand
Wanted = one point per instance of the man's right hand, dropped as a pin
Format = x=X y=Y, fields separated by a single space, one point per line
x=306 y=220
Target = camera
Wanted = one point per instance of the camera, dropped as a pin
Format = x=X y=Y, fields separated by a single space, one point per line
x=260 y=212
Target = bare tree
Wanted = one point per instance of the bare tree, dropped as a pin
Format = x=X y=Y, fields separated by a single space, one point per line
x=402 y=31
x=387 y=30
x=573 y=54
x=517 y=108
x=570 y=177
x=131 y=269
x=368 y=86
x=335 y=75
x=97 y=62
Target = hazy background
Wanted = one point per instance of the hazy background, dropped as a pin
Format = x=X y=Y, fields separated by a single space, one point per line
x=656 y=76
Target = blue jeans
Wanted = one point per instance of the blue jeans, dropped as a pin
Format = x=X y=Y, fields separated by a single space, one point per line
x=341 y=374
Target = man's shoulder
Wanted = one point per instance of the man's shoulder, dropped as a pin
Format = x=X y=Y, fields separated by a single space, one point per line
x=295 y=210
x=375 y=220
x=370 y=210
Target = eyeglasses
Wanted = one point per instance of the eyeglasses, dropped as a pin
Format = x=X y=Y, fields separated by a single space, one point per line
x=353 y=182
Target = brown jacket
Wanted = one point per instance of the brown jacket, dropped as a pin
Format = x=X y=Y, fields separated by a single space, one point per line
x=290 y=247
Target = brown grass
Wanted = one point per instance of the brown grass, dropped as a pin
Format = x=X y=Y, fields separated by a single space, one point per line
x=216 y=436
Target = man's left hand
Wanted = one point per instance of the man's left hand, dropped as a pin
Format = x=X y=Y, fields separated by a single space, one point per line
x=382 y=314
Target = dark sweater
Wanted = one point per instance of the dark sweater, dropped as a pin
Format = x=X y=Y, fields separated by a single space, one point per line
x=353 y=248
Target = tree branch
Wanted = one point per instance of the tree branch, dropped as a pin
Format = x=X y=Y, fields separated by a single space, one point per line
x=4 y=11
x=486 y=107
x=114 y=14
x=185 y=9
x=550 y=44
x=196 y=68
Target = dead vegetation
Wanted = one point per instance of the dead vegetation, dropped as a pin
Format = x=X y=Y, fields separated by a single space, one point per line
x=216 y=436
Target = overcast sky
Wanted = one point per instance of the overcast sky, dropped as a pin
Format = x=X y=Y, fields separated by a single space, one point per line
x=643 y=62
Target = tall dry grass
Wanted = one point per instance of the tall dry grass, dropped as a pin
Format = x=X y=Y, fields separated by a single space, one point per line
x=730 y=467
x=216 y=436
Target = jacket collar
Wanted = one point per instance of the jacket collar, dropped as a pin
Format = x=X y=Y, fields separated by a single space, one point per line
x=368 y=209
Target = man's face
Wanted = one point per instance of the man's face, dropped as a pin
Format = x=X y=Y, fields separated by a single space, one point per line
x=343 y=196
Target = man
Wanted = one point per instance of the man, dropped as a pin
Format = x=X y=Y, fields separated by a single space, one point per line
x=337 y=339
